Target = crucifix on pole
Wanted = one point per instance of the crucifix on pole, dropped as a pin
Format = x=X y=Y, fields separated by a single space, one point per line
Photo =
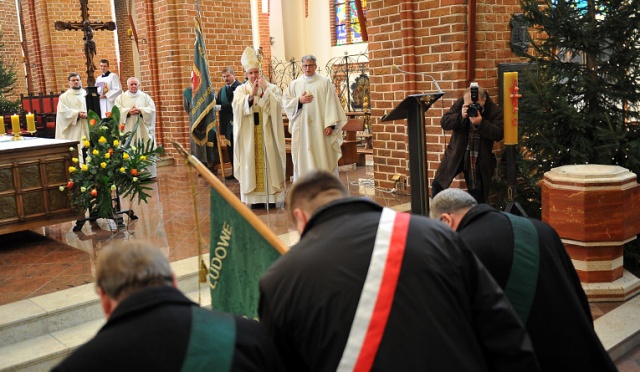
x=89 y=45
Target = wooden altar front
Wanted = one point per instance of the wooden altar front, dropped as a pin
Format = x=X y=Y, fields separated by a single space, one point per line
x=31 y=172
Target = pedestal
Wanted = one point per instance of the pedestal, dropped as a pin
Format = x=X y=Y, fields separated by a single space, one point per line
x=596 y=210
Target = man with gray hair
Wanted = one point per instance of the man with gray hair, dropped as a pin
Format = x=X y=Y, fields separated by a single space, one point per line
x=152 y=326
x=475 y=122
x=316 y=117
x=528 y=260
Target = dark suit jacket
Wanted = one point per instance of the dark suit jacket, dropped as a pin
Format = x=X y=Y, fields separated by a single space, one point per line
x=225 y=98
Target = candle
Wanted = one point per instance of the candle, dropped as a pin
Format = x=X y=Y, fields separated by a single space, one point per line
x=510 y=107
x=15 y=125
x=31 y=124
x=2 y=124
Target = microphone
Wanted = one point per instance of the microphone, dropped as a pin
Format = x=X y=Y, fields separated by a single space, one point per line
x=419 y=73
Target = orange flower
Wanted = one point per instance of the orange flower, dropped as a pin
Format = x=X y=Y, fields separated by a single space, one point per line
x=108 y=113
x=122 y=127
x=69 y=185
x=134 y=172
x=93 y=122
x=94 y=192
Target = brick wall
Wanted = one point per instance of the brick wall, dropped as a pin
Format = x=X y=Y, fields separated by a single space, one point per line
x=165 y=36
x=11 y=53
x=428 y=37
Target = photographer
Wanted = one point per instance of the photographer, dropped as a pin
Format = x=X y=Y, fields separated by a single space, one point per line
x=476 y=123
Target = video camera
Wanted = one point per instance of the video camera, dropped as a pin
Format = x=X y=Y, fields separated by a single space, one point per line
x=474 y=108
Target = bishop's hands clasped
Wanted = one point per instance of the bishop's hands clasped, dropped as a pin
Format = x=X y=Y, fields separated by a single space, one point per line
x=259 y=83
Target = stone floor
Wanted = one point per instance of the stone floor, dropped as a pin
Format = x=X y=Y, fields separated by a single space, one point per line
x=55 y=257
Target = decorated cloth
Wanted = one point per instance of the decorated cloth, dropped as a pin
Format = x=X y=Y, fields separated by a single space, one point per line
x=310 y=147
x=560 y=323
x=203 y=116
x=447 y=312
x=111 y=81
x=258 y=150
x=160 y=329
x=202 y=152
x=146 y=129
x=68 y=125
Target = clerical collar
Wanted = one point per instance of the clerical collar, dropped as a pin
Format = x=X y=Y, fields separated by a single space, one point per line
x=106 y=74
x=309 y=78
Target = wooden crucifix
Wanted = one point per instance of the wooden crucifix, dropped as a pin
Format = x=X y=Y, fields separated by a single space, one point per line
x=87 y=27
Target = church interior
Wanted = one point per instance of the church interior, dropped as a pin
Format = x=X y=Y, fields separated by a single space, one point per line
x=384 y=53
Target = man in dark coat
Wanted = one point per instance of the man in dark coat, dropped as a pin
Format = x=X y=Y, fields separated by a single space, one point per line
x=225 y=98
x=152 y=326
x=470 y=149
x=559 y=319
x=367 y=288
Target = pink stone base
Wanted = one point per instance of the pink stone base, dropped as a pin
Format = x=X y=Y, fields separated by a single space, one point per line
x=619 y=290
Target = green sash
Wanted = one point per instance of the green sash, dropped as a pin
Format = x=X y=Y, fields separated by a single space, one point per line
x=523 y=278
x=212 y=341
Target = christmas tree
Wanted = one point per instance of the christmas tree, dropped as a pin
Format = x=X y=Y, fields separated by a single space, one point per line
x=581 y=98
x=7 y=85
x=580 y=102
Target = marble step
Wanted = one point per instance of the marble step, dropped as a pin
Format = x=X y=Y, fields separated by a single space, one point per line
x=36 y=334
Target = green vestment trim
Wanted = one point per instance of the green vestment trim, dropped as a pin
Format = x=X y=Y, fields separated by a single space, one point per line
x=523 y=278
x=212 y=341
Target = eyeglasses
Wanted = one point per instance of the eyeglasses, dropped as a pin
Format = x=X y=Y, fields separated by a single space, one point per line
x=308 y=66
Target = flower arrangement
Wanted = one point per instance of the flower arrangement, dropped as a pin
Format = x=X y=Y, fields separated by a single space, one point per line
x=111 y=167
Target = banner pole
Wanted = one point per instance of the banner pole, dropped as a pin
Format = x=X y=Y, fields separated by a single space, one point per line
x=231 y=198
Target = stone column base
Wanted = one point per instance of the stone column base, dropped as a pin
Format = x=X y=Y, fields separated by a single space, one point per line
x=620 y=289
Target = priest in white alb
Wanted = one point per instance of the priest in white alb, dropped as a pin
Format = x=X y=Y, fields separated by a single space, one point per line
x=109 y=87
x=316 y=118
x=71 y=117
x=136 y=105
x=258 y=137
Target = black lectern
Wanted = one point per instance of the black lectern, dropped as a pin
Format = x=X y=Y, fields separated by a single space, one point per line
x=413 y=108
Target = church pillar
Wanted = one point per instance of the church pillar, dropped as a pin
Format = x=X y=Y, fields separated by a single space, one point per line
x=153 y=68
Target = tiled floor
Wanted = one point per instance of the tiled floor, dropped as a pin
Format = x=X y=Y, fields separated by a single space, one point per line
x=53 y=258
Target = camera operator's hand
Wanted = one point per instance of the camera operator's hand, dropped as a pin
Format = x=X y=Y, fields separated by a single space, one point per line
x=476 y=121
x=464 y=111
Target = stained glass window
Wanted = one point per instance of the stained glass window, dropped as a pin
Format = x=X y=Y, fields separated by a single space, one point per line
x=346 y=23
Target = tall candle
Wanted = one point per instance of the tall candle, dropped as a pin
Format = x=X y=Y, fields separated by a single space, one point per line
x=15 y=124
x=2 y=124
x=510 y=107
x=31 y=124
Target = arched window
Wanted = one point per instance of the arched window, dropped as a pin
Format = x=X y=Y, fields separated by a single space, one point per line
x=345 y=23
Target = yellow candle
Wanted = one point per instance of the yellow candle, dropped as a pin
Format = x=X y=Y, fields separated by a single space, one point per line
x=2 y=124
x=510 y=107
x=31 y=124
x=15 y=124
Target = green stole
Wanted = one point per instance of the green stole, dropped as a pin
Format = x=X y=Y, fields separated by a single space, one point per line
x=222 y=95
x=212 y=341
x=523 y=278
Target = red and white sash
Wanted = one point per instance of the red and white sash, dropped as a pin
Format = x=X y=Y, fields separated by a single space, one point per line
x=378 y=292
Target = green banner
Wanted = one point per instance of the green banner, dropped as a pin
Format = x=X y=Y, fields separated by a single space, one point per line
x=239 y=256
x=203 y=117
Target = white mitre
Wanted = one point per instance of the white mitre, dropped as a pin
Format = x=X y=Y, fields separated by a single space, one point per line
x=250 y=59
